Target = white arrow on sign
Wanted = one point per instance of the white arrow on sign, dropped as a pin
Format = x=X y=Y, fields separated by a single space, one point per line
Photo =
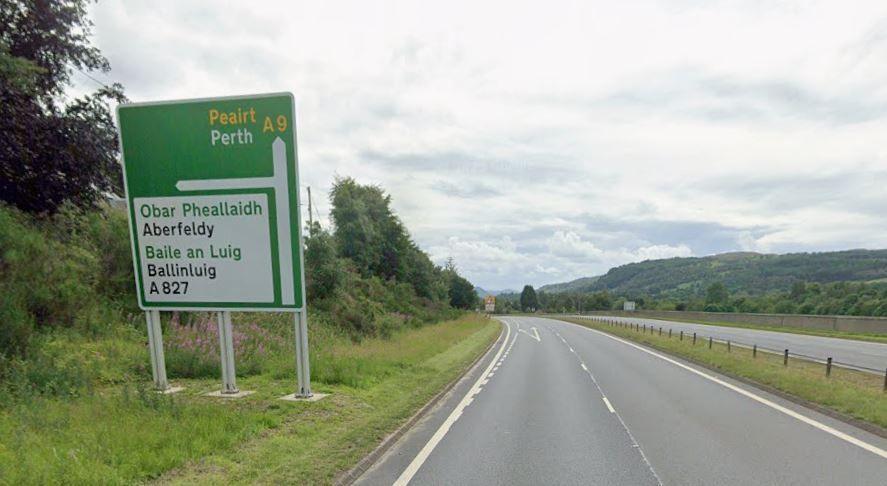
x=535 y=334
x=280 y=183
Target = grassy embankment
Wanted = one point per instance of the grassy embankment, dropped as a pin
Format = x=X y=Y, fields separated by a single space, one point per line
x=121 y=432
x=852 y=393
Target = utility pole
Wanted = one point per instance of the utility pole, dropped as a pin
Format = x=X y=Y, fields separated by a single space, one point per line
x=310 y=214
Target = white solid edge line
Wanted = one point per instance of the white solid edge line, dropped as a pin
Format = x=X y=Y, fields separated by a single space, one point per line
x=423 y=454
x=791 y=413
x=607 y=403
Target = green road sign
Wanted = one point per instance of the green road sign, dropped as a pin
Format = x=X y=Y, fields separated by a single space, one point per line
x=212 y=191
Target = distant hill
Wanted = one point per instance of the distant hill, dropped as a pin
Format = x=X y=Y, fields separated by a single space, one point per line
x=483 y=293
x=578 y=285
x=741 y=272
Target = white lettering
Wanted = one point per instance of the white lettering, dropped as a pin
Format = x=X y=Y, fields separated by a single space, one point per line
x=241 y=136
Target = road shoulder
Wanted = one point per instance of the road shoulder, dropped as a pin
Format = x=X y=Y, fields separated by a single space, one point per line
x=384 y=464
x=775 y=392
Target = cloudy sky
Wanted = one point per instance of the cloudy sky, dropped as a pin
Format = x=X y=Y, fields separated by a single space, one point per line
x=538 y=142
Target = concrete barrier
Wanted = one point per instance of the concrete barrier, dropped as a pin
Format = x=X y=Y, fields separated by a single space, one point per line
x=870 y=325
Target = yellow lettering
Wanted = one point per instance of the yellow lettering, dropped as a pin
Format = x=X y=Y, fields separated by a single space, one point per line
x=268 y=127
x=281 y=123
x=213 y=116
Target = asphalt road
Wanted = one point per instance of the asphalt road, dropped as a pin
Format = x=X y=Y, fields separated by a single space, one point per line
x=872 y=356
x=533 y=411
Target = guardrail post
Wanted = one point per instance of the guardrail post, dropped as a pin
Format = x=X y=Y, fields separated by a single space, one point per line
x=728 y=345
x=645 y=329
x=682 y=335
x=669 y=333
x=754 y=351
x=660 y=330
x=828 y=367
x=709 y=342
x=785 y=358
x=694 y=339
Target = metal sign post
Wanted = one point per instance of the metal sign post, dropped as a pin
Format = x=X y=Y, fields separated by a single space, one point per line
x=226 y=346
x=155 y=345
x=303 y=370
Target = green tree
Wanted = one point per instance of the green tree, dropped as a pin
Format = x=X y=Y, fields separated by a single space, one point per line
x=528 y=300
x=324 y=270
x=716 y=293
x=356 y=213
x=51 y=151
x=460 y=291
x=369 y=234
x=798 y=290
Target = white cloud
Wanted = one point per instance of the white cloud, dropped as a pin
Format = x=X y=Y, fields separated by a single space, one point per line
x=655 y=252
x=536 y=142
x=563 y=255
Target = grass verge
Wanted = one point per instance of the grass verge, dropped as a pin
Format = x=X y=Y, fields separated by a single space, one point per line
x=874 y=338
x=124 y=433
x=850 y=393
x=856 y=336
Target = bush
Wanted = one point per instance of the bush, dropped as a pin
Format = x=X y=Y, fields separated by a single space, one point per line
x=17 y=324
x=71 y=269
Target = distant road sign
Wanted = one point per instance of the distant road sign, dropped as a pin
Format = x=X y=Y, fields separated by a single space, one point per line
x=490 y=303
x=212 y=188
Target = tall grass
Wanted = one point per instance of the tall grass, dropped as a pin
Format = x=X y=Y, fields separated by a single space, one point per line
x=116 y=436
x=193 y=345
